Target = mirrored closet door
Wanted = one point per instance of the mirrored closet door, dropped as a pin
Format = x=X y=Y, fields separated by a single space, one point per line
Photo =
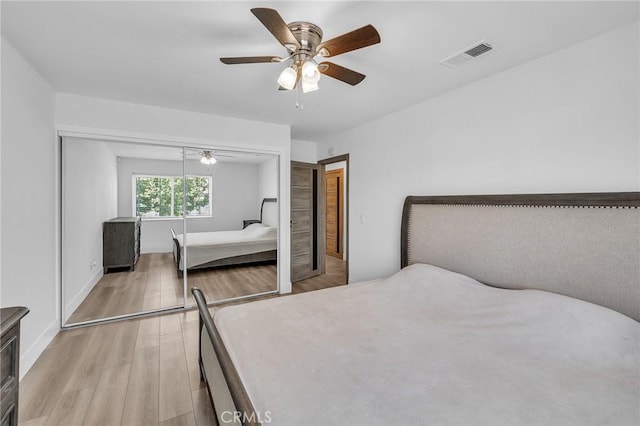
x=232 y=219
x=118 y=207
x=142 y=224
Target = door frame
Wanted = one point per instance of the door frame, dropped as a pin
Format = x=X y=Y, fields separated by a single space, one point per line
x=324 y=162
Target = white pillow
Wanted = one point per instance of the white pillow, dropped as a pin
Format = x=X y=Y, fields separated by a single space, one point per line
x=254 y=226
x=261 y=231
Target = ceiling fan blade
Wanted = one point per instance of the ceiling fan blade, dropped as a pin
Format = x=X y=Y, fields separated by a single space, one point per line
x=356 y=39
x=271 y=19
x=341 y=73
x=250 y=60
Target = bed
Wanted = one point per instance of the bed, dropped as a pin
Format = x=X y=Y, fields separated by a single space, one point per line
x=512 y=309
x=257 y=242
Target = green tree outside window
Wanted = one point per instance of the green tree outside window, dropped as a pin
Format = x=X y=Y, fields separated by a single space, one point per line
x=162 y=196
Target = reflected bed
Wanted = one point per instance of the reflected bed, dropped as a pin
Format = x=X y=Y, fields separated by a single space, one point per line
x=258 y=242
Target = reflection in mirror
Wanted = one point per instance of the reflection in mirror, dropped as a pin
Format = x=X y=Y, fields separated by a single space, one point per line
x=120 y=202
x=232 y=219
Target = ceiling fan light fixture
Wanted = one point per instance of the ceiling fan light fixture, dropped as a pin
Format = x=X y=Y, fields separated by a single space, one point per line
x=309 y=87
x=208 y=159
x=310 y=72
x=288 y=78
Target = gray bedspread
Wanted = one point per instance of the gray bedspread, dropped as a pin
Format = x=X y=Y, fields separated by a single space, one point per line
x=428 y=346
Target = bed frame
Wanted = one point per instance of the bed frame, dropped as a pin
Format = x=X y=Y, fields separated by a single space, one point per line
x=582 y=245
x=265 y=256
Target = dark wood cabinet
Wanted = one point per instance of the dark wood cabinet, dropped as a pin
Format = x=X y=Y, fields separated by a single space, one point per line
x=121 y=243
x=10 y=363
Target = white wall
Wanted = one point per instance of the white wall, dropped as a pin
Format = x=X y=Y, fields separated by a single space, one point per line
x=86 y=115
x=29 y=191
x=566 y=122
x=89 y=198
x=303 y=151
x=235 y=197
x=268 y=177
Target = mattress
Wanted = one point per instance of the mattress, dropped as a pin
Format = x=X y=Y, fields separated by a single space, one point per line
x=429 y=346
x=204 y=247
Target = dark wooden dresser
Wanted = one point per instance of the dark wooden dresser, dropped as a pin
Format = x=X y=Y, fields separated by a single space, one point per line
x=121 y=243
x=10 y=370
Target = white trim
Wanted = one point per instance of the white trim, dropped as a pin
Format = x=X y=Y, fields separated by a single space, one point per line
x=58 y=215
x=84 y=292
x=150 y=139
x=31 y=354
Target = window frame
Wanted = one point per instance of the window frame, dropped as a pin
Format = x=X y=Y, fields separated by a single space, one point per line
x=134 y=196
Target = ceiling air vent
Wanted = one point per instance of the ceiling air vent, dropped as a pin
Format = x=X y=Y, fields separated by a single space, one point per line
x=466 y=55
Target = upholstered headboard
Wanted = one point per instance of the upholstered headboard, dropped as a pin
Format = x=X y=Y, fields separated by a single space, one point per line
x=269 y=211
x=585 y=246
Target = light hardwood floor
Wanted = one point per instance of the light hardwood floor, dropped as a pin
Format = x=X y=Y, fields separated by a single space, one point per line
x=136 y=372
x=155 y=284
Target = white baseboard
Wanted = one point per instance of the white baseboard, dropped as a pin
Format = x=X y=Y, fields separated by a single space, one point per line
x=78 y=298
x=31 y=355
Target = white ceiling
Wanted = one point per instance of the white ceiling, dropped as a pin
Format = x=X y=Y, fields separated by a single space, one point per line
x=166 y=53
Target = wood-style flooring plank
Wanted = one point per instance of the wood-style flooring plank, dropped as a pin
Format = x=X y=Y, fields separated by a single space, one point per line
x=124 y=343
x=40 y=421
x=64 y=336
x=190 y=337
x=87 y=371
x=188 y=316
x=183 y=420
x=141 y=403
x=169 y=324
x=175 y=391
x=202 y=407
x=71 y=408
x=108 y=398
x=148 y=333
x=42 y=387
x=151 y=298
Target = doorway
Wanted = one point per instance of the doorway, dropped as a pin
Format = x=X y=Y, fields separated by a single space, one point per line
x=330 y=215
x=334 y=217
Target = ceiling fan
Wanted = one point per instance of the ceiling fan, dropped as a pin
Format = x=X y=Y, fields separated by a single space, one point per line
x=303 y=41
x=209 y=157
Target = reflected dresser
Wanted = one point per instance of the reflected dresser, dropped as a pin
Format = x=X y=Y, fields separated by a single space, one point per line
x=121 y=243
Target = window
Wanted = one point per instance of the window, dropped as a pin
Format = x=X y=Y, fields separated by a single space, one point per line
x=162 y=196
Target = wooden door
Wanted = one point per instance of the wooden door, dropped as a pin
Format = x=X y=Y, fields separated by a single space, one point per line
x=334 y=193
x=306 y=246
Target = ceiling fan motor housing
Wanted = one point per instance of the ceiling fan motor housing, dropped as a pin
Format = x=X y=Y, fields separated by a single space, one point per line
x=309 y=36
